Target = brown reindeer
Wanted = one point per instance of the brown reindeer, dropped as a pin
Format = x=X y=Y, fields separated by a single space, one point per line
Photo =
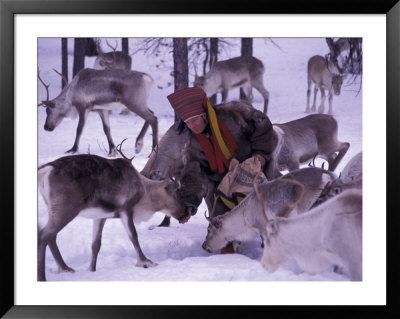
x=98 y=188
x=325 y=76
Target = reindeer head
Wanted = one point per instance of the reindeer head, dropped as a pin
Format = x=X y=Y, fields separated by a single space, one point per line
x=57 y=108
x=337 y=81
x=215 y=238
x=199 y=81
x=193 y=187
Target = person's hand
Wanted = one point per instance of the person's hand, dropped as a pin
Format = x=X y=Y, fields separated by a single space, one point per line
x=261 y=159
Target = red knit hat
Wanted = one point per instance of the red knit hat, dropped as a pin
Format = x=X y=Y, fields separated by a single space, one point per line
x=188 y=102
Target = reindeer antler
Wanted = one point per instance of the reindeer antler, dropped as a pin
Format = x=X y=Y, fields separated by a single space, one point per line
x=176 y=160
x=119 y=149
x=102 y=56
x=195 y=69
x=63 y=77
x=293 y=181
x=46 y=86
x=255 y=183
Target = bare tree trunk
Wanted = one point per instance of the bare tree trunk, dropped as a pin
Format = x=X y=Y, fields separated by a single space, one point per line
x=246 y=50
x=329 y=42
x=213 y=59
x=79 y=55
x=181 y=70
x=125 y=45
x=91 y=49
x=64 y=60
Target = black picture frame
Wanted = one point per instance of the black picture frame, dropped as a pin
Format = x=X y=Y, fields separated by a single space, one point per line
x=8 y=10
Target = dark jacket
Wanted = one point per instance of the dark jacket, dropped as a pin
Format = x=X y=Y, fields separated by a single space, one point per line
x=253 y=133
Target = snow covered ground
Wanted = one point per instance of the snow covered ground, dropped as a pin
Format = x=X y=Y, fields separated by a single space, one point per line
x=177 y=249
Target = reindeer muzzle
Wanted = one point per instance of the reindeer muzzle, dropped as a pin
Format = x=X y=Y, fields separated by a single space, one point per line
x=189 y=212
x=48 y=127
x=206 y=248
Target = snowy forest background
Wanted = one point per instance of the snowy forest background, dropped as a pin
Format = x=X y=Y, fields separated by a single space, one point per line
x=177 y=249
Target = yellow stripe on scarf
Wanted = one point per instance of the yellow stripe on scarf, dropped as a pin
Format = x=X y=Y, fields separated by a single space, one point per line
x=214 y=123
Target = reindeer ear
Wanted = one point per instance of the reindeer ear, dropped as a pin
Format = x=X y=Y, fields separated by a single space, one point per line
x=272 y=227
x=49 y=104
x=295 y=193
x=216 y=222
x=172 y=187
x=156 y=175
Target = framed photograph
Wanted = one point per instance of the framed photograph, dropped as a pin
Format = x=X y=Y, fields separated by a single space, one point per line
x=37 y=35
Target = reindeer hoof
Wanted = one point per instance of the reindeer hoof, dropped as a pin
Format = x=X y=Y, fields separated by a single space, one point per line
x=125 y=112
x=112 y=153
x=238 y=246
x=72 y=150
x=66 y=269
x=138 y=146
x=146 y=263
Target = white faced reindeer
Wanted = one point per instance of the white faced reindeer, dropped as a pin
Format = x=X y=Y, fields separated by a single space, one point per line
x=349 y=178
x=293 y=193
x=93 y=90
x=325 y=76
x=112 y=60
x=330 y=234
x=245 y=71
x=308 y=137
x=99 y=188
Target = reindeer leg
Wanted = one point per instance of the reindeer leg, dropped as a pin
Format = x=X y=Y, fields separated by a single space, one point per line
x=259 y=86
x=224 y=94
x=139 y=139
x=323 y=98
x=342 y=151
x=127 y=221
x=292 y=165
x=330 y=103
x=308 y=93
x=246 y=88
x=81 y=123
x=58 y=219
x=313 y=107
x=57 y=256
x=104 y=116
x=165 y=222
x=151 y=120
x=43 y=240
x=98 y=225
x=47 y=236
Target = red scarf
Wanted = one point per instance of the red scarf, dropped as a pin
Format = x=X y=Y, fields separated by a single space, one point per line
x=212 y=149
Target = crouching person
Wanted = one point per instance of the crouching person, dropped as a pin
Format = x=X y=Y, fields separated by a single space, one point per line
x=220 y=134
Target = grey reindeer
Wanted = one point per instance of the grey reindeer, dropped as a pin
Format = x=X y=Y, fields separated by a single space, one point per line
x=112 y=60
x=94 y=90
x=349 y=178
x=98 y=188
x=315 y=135
x=245 y=72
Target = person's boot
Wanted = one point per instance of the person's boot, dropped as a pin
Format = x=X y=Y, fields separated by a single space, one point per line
x=228 y=249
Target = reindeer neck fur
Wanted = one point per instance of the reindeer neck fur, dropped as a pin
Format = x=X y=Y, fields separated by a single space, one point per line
x=347 y=203
x=154 y=192
x=243 y=222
